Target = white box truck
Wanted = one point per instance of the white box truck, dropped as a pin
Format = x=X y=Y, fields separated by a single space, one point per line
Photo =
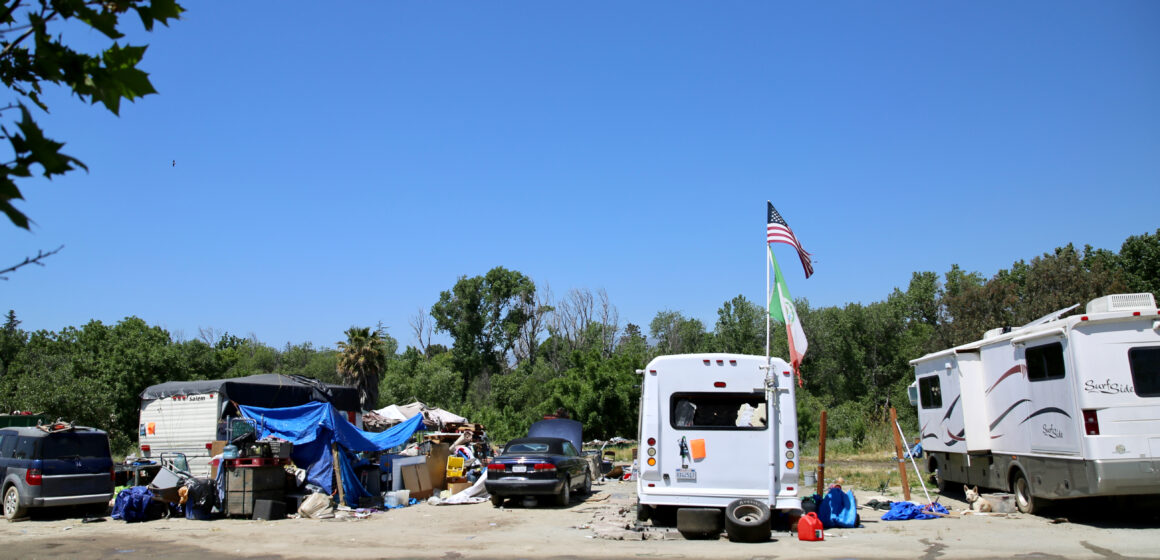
x=188 y=416
x=1063 y=407
x=719 y=447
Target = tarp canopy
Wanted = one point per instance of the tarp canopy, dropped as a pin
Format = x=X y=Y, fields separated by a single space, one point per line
x=269 y=390
x=313 y=427
x=431 y=416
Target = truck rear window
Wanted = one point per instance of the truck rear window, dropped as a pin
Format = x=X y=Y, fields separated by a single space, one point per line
x=1145 y=364
x=69 y=445
x=718 y=411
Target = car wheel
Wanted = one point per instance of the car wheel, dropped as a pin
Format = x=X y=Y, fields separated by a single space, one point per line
x=496 y=500
x=1023 y=499
x=565 y=494
x=12 y=508
x=747 y=520
x=587 y=489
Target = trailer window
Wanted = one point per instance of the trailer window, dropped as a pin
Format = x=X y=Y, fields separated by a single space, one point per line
x=1045 y=362
x=718 y=411
x=930 y=392
x=1145 y=364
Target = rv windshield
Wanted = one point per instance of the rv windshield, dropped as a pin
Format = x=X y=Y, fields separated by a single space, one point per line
x=718 y=411
x=1145 y=363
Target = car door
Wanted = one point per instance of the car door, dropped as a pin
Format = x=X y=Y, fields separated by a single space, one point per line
x=575 y=464
x=7 y=449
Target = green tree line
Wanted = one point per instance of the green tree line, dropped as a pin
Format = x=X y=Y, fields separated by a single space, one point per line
x=517 y=352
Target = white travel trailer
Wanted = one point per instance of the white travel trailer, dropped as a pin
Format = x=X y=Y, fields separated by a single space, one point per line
x=718 y=440
x=1059 y=408
x=189 y=416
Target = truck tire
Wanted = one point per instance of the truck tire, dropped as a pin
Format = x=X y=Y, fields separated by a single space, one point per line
x=12 y=507
x=642 y=512
x=699 y=523
x=747 y=520
x=1026 y=502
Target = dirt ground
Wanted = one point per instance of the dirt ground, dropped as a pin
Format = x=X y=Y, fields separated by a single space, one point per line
x=600 y=526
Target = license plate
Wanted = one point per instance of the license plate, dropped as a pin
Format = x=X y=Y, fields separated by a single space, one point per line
x=686 y=474
x=519 y=468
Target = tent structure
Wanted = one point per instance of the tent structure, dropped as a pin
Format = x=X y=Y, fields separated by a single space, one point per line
x=432 y=417
x=317 y=428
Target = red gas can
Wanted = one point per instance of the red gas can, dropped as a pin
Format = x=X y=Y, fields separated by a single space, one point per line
x=810 y=528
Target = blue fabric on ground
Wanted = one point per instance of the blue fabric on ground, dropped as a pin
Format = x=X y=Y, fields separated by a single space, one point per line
x=313 y=427
x=838 y=509
x=902 y=511
x=131 y=504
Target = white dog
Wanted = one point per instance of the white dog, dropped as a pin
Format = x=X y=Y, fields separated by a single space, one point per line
x=977 y=503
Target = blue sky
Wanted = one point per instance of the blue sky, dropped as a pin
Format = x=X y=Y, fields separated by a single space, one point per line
x=342 y=166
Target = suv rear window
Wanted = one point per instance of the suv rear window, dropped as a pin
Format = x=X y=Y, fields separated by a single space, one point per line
x=73 y=444
x=1145 y=364
x=718 y=411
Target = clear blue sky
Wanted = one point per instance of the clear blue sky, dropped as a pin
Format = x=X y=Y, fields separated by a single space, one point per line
x=339 y=164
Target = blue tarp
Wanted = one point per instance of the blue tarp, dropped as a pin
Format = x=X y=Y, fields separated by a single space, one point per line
x=901 y=511
x=132 y=504
x=313 y=427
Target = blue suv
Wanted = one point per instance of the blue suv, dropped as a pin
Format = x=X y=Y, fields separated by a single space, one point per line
x=57 y=465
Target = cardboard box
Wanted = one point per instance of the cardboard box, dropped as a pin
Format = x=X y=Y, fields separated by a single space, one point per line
x=437 y=465
x=417 y=480
x=457 y=487
x=215 y=449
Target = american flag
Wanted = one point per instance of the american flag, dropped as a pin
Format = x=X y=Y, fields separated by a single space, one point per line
x=777 y=231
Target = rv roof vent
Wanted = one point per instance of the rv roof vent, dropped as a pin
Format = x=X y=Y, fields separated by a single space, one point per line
x=1122 y=302
x=994 y=332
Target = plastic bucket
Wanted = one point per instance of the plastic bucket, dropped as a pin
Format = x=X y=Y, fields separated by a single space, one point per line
x=404 y=497
x=392 y=499
x=230 y=452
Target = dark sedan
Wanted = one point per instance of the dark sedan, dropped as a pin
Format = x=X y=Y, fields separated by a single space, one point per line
x=538 y=466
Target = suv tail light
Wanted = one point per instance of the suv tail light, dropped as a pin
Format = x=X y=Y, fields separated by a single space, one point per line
x=1091 y=423
x=33 y=477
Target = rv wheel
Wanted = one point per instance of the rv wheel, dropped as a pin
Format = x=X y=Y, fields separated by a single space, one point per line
x=1023 y=498
x=747 y=520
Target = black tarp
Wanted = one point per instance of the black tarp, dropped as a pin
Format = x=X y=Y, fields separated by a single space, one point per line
x=269 y=390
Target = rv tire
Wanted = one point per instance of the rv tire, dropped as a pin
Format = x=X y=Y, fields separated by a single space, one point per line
x=747 y=520
x=1024 y=501
x=699 y=523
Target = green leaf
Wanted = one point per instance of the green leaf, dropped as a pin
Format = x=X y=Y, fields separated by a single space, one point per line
x=104 y=21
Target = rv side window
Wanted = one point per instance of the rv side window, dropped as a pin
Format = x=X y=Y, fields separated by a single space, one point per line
x=718 y=411
x=1045 y=362
x=1145 y=364
x=930 y=392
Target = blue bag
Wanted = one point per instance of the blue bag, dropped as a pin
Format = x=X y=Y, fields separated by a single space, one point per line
x=132 y=504
x=838 y=509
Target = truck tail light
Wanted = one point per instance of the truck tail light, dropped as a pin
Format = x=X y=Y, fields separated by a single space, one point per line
x=1091 y=423
x=33 y=477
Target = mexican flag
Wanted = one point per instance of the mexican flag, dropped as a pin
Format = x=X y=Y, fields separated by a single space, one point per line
x=781 y=308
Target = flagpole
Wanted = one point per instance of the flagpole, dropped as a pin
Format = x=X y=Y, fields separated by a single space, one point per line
x=768 y=320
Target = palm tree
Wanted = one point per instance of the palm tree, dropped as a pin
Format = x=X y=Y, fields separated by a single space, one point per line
x=361 y=361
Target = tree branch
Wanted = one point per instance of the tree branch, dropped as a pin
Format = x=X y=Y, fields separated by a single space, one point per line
x=40 y=255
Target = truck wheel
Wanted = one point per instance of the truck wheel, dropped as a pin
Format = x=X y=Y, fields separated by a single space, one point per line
x=699 y=523
x=642 y=512
x=496 y=500
x=565 y=494
x=747 y=520
x=663 y=516
x=12 y=508
x=1023 y=499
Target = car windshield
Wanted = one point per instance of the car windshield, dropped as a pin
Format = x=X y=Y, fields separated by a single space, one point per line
x=527 y=447
x=71 y=445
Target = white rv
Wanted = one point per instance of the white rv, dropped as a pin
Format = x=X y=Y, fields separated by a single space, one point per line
x=718 y=444
x=1059 y=408
x=189 y=416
